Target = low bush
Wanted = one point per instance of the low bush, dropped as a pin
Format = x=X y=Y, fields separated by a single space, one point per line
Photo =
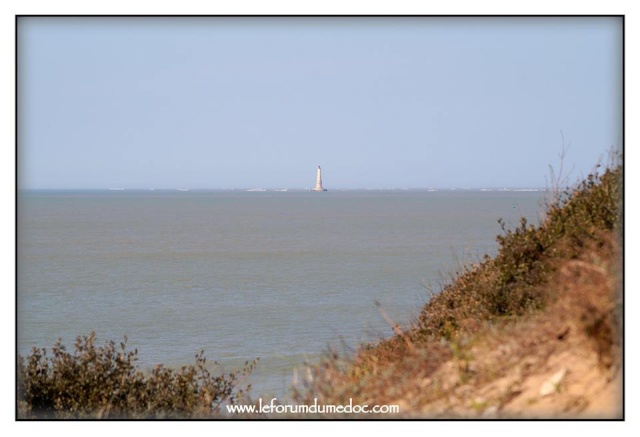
x=106 y=383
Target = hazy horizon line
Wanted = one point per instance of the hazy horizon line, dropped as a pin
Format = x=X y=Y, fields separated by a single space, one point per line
x=281 y=188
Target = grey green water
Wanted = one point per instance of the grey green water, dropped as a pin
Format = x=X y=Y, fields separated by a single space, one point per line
x=275 y=275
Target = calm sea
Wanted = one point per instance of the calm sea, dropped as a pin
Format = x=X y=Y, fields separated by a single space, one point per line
x=277 y=275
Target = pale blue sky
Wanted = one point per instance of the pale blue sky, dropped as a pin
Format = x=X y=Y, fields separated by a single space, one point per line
x=260 y=102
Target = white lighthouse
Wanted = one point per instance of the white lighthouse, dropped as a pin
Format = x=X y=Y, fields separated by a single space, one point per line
x=319 y=181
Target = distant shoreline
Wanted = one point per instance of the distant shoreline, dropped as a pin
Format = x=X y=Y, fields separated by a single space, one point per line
x=275 y=190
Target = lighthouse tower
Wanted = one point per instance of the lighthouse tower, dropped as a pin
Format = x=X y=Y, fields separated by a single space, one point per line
x=319 y=181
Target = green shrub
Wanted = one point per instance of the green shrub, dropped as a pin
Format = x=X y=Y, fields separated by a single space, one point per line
x=511 y=283
x=582 y=226
x=105 y=382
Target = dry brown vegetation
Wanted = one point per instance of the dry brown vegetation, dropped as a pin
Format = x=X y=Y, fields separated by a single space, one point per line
x=532 y=332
